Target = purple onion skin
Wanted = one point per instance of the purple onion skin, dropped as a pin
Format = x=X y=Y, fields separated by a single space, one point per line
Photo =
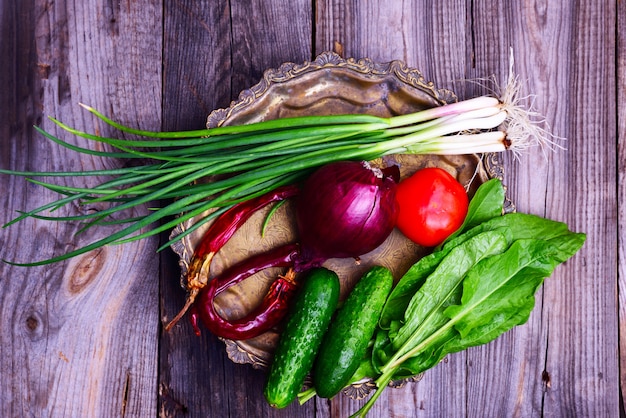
x=344 y=210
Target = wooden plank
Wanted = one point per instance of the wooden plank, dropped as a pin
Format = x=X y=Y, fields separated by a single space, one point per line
x=267 y=34
x=79 y=337
x=388 y=31
x=621 y=192
x=232 y=43
x=572 y=364
x=557 y=364
x=550 y=373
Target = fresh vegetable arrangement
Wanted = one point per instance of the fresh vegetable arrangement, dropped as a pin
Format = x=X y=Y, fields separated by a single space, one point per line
x=477 y=283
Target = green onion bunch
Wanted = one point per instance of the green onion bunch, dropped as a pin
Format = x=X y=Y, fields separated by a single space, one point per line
x=241 y=162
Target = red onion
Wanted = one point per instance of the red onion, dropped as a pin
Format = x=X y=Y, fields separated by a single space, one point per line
x=345 y=209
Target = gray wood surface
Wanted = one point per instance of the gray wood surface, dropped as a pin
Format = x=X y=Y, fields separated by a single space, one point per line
x=84 y=337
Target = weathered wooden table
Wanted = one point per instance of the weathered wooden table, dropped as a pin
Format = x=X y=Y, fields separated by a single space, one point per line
x=84 y=338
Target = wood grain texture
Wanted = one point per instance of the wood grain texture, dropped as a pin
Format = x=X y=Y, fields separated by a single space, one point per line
x=398 y=31
x=83 y=337
x=621 y=193
x=78 y=338
x=571 y=298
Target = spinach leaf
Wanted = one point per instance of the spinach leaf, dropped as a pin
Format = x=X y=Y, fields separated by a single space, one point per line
x=424 y=312
x=443 y=287
x=513 y=225
x=507 y=283
x=498 y=294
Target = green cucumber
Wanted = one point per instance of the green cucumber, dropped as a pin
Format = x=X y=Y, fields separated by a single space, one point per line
x=347 y=338
x=297 y=347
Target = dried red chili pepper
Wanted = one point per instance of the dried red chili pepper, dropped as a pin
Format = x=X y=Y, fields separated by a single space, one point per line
x=267 y=315
x=218 y=234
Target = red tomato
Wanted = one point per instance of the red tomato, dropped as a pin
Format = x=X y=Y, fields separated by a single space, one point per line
x=433 y=205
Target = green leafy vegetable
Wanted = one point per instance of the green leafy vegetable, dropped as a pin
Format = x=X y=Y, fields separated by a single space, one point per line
x=478 y=285
x=425 y=309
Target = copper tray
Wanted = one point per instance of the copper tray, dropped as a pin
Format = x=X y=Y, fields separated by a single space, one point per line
x=327 y=85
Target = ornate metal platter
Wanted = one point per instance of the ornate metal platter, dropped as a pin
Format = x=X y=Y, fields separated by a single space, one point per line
x=327 y=85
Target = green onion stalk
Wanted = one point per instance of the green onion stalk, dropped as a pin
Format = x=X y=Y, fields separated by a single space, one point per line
x=246 y=161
